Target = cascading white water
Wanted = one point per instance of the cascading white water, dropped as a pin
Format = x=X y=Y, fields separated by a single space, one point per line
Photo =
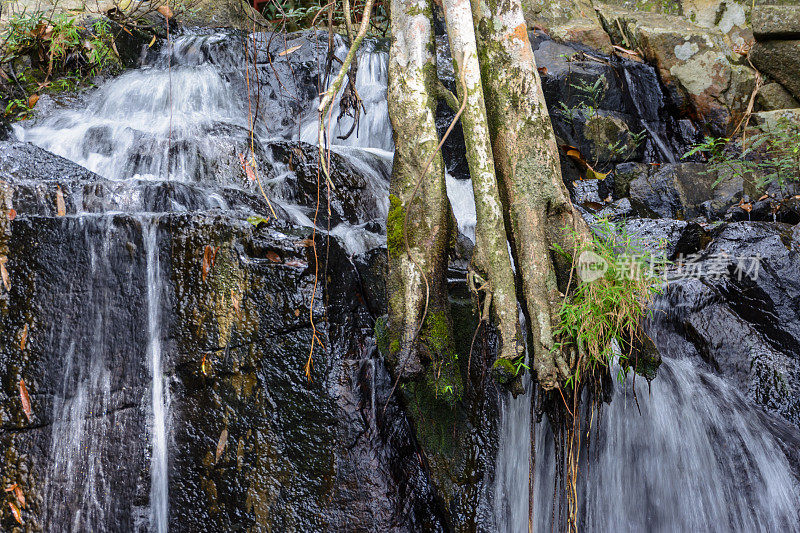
x=159 y=494
x=149 y=123
x=177 y=123
x=374 y=130
x=698 y=457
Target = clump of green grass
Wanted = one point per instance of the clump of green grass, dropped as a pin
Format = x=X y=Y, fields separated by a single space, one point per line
x=600 y=319
x=41 y=52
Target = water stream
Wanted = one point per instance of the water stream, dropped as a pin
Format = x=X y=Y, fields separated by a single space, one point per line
x=159 y=494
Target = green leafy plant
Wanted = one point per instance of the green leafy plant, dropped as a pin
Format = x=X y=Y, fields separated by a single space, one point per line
x=63 y=53
x=599 y=319
x=589 y=96
x=18 y=109
x=302 y=14
x=770 y=157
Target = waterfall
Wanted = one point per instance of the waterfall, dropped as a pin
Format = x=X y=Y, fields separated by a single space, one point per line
x=159 y=496
x=77 y=488
x=698 y=457
x=167 y=138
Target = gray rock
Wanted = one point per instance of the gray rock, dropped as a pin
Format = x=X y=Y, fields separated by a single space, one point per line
x=780 y=60
x=772 y=96
x=776 y=22
x=745 y=326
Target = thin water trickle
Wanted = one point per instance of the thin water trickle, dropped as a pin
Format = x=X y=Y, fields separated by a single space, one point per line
x=159 y=493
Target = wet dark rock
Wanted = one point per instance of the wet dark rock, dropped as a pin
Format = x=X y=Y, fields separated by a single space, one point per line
x=350 y=195
x=620 y=210
x=591 y=194
x=24 y=161
x=667 y=238
x=373 y=271
x=34 y=177
x=295 y=448
x=313 y=455
x=747 y=327
x=685 y=191
x=631 y=103
x=5 y=130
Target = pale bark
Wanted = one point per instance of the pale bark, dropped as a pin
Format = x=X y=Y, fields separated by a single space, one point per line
x=491 y=249
x=529 y=172
x=419 y=224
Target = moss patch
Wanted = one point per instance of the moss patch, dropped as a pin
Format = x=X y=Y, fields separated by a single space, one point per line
x=394 y=225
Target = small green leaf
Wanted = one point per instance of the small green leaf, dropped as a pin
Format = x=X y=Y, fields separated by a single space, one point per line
x=257 y=220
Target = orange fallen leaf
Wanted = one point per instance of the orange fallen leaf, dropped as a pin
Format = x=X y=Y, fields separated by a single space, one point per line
x=209 y=256
x=23 y=337
x=18 y=494
x=61 y=207
x=542 y=71
x=290 y=50
x=32 y=100
x=166 y=11
x=204 y=366
x=26 y=400
x=273 y=256
x=4 y=273
x=16 y=512
x=306 y=243
x=763 y=197
x=12 y=214
x=223 y=441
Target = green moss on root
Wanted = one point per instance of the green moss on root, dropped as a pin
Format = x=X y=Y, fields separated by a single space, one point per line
x=394 y=226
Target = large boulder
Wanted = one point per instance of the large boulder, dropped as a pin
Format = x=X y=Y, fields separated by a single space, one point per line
x=772 y=96
x=780 y=59
x=728 y=16
x=685 y=190
x=696 y=64
x=568 y=21
x=776 y=22
x=735 y=305
x=87 y=302
x=238 y=14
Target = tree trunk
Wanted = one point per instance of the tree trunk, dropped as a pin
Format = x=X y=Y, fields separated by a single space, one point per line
x=490 y=257
x=537 y=203
x=419 y=225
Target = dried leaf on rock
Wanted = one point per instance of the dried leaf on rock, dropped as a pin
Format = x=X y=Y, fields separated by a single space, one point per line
x=26 y=400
